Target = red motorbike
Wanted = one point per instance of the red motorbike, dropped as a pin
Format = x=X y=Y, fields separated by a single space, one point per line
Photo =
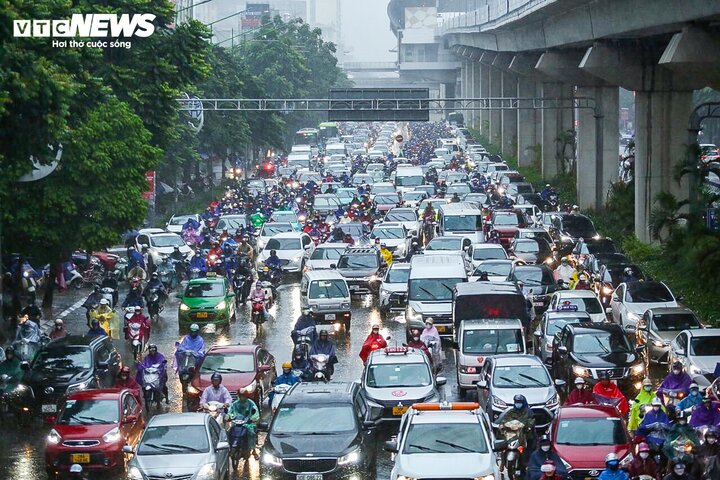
x=258 y=315
x=137 y=333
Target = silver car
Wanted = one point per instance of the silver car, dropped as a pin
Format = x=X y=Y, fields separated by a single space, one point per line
x=393 y=290
x=181 y=446
x=699 y=352
x=659 y=326
x=552 y=323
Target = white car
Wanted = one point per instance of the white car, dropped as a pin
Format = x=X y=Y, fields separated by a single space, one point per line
x=699 y=352
x=176 y=222
x=270 y=229
x=408 y=217
x=584 y=300
x=631 y=300
x=325 y=256
x=293 y=249
x=160 y=244
x=395 y=238
x=497 y=270
x=479 y=252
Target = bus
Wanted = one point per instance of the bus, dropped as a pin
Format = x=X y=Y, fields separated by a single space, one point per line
x=307 y=136
x=328 y=130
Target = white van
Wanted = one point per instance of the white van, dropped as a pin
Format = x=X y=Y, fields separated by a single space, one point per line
x=326 y=293
x=299 y=159
x=430 y=289
x=407 y=178
x=335 y=149
x=462 y=219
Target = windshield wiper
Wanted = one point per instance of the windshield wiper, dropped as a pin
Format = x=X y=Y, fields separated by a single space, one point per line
x=597 y=339
x=94 y=419
x=433 y=297
x=535 y=380
x=513 y=382
x=181 y=447
x=77 y=419
x=455 y=445
x=229 y=370
x=158 y=447
x=317 y=433
x=425 y=449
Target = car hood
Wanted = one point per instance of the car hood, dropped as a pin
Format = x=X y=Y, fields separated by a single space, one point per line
x=464 y=465
x=178 y=464
x=201 y=302
x=60 y=377
x=282 y=254
x=357 y=272
x=231 y=381
x=641 y=308
x=392 y=242
x=83 y=432
x=613 y=359
x=431 y=308
x=399 y=395
x=707 y=364
x=315 y=445
x=395 y=287
x=534 y=396
x=591 y=457
x=527 y=257
x=321 y=264
x=667 y=336
x=169 y=250
x=505 y=229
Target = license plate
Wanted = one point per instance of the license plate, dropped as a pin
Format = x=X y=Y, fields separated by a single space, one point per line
x=80 y=458
x=398 y=411
x=330 y=316
x=202 y=315
x=49 y=408
x=538 y=304
x=354 y=287
x=440 y=328
x=309 y=476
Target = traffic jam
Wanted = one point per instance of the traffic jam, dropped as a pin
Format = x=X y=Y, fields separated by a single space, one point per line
x=386 y=300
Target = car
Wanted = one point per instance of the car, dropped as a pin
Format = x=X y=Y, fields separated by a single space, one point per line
x=583 y=436
x=326 y=294
x=451 y=243
x=326 y=203
x=392 y=296
x=384 y=202
x=91 y=429
x=570 y=227
x=445 y=440
x=207 y=300
x=530 y=250
x=395 y=237
x=513 y=190
x=231 y=222
x=383 y=187
x=345 y=195
x=531 y=212
x=412 y=198
x=479 y=252
x=180 y=446
x=270 y=229
x=496 y=270
x=481 y=199
x=506 y=223
x=242 y=366
x=504 y=376
x=176 y=222
x=584 y=300
x=630 y=300
x=552 y=323
x=699 y=352
x=597 y=260
x=461 y=189
x=362 y=178
x=538 y=284
x=395 y=378
x=408 y=217
x=287 y=216
x=659 y=326
x=337 y=419
x=610 y=276
x=585 y=247
x=292 y=248
x=585 y=350
x=325 y=256
x=533 y=199
x=362 y=268
x=160 y=245
x=65 y=366
x=428 y=190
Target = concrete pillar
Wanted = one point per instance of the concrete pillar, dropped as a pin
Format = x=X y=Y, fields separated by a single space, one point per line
x=477 y=93
x=661 y=119
x=594 y=175
x=471 y=114
x=551 y=125
x=527 y=128
x=465 y=82
x=495 y=115
x=509 y=117
x=485 y=93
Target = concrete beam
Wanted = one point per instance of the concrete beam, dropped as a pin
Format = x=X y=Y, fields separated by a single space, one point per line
x=550 y=127
x=480 y=115
x=488 y=57
x=502 y=61
x=693 y=56
x=485 y=93
x=563 y=66
x=524 y=64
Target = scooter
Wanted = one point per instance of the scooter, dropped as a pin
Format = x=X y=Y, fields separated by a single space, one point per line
x=187 y=364
x=154 y=303
x=216 y=410
x=241 y=287
x=166 y=272
x=319 y=365
x=152 y=388
x=512 y=432
x=136 y=337
x=239 y=445
x=258 y=315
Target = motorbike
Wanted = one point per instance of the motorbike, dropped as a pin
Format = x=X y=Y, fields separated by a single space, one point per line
x=166 y=272
x=9 y=390
x=216 y=410
x=319 y=365
x=136 y=337
x=258 y=315
x=512 y=433
x=672 y=397
x=238 y=439
x=270 y=275
x=155 y=304
x=435 y=352
x=26 y=349
x=279 y=392
x=152 y=386
x=187 y=363
x=241 y=287
x=192 y=237
x=120 y=271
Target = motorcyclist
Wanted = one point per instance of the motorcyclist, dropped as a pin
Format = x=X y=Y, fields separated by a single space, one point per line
x=644 y=397
x=582 y=283
x=693 y=399
x=386 y=254
x=348 y=239
x=92 y=301
x=32 y=311
x=95 y=329
x=134 y=298
x=455 y=198
x=428 y=214
x=155 y=284
x=654 y=424
x=677 y=380
x=542 y=454
x=244 y=248
x=494 y=237
x=547 y=192
x=629 y=275
x=192 y=342
x=124 y=380
x=135 y=258
x=151 y=359
x=374 y=341
x=11 y=365
x=323 y=345
x=416 y=342
x=299 y=362
x=612 y=469
x=216 y=392
x=549 y=471
x=521 y=412
x=679 y=470
x=27 y=330
x=107 y=318
x=197 y=262
x=642 y=464
x=430 y=333
x=679 y=431
x=580 y=394
x=58 y=330
x=213 y=254
x=706 y=453
x=273 y=262
x=305 y=320
x=606 y=389
x=258 y=296
x=286 y=378
x=706 y=414
x=191 y=223
x=138 y=317
x=244 y=408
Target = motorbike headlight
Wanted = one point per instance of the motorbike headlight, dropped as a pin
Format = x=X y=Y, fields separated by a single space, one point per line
x=638 y=369
x=20 y=389
x=184 y=307
x=221 y=305
x=134 y=473
x=76 y=387
x=54 y=437
x=112 y=436
x=566 y=239
x=580 y=371
x=352 y=457
x=270 y=459
x=206 y=472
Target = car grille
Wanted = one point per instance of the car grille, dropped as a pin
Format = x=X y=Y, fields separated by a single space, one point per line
x=81 y=443
x=165 y=477
x=443 y=319
x=284 y=262
x=397 y=299
x=318 y=465
x=583 y=474
x=614 y=372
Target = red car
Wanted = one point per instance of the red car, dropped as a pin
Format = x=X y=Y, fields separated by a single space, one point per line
x=91 y=429
x=583 y=435
x=507 y=223
x=240 y=366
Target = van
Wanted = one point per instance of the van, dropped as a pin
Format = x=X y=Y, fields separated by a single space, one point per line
x=461 y=219
x=407 y=178
x=430 y=290
x=326 y=293
x=299 y=160
x=335 y=149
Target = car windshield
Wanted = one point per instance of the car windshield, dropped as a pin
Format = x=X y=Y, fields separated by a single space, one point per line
x=587 y=304
x=705 y=346
x=492 y=341
x=534 y=276
x=231 y=223
x=488 y=253
x=675 y=322
x=283 y=244
x=272 y=229
x=398 y=375
x=647 y=292
x=180 y=220
x=65 y=358
x=414 y=196
x=313 y=419
x=601 y=246
x=555 y=325
x=601 y=343
x=89 y=412
x=493 y=268
x=174 y=439
x=406 y=216
x=578 y=226
x=354 y=229
x=512 y=219
x=590 y=431
x=520 y=188
x=520 y=376
x=477 y=197
x=386 y=199
x=433 y=289
x=398 y=275
x=228 y=363
x=162 y=241
x=327 y=253
x=459 y=188
x=414 y=181
x=204 y=290
x=377 y=189
x=447 y=243
x=445 y=438
x=328 y=289
x=526 y=246
x=463 y=223
x=358 y=261
x=387 y=232
x=326 y=202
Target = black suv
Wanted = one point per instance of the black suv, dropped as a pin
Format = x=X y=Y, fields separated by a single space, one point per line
x=538 y=282
x=586 y=350
x=67 y=365
x=320 y=431
x=362 y=268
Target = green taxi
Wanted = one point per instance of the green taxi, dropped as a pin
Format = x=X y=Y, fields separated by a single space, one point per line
x=207 y=300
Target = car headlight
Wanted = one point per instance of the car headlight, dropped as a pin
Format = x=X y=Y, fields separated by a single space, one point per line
x=297 y=257
x=384 y=292
x=134 y=473
x=20 y=388
x=76 y=387
x=206 y=472
x=607 y=290
x=411 y=314
x=553 y=402
x=403 y=477
x=565 y=239
x=658 y=343
x=112 y=436
x=54 y=437
x=352 y=457
x=221 y=305
x=270 y=459
x=373 y=278
x=192 y=390
x=566 y=464
x=633 y=317
x=580 y=371
x=345 y=305
x=695 y=370
x=184 y=307
x=498 y=402
x=251 y=388
x=485 y=477
x=638 y=369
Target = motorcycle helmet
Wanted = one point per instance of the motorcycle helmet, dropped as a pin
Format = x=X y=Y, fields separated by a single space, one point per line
x=306 y=311
x=579 y=381
x=95 y=323
x=656 y=402
x=647 y=382
x=544 y=440
x=693 y=386
x=677 y=463
x=287 y=365
x=216 y=376
x=10 y=349
x=258 y=284
x=643 y=447
x=603 y=376
x=58 y=322
x=519 y=400
x=138 y=309
x=194 y=327
x=76 y=469
x=244 y=392
x=611 y=460
x=152 y=347
x=712 y=433
x=323 y=333
x=677 y=366
x=548 y=466
x=104 y=301
x=628 y=271
x=273 y=252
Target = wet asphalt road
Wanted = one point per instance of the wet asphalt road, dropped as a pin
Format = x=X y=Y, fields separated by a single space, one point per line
x=22 y=450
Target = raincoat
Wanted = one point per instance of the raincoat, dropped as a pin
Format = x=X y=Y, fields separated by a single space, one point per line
x=373 y=339
x=613 y=392
x=678 y=432
x=578 y=396
x=702 y=416
x=149 y=361
x=618 y=474
x=539 y=457
x=246 y=408
x=642 y=398
x=212 y=394
x=675 y=382
x=108 y=320
x=646 y=427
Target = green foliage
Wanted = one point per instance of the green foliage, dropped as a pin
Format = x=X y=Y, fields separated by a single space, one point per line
x=617 y=219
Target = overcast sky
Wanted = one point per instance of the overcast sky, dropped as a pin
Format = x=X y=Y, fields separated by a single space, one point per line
x=366 y=30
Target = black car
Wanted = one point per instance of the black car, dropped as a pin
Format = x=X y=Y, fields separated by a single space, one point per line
x=612 y=275
x=537 y=279
x=582 y=350
x=67 y=365
x=362 y=269
x=323 y=431
x=530 y=250
x=597 y=260
x=569 y=228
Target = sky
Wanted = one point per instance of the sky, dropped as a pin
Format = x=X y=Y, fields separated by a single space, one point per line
x=366 y=30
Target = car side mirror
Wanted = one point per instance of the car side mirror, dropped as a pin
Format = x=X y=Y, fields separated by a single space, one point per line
x=25 y=366
x=441 y=381
x=103 y=365
x=680 y=298
x=391 y=446
x=264 y=368
x=499 y=445
x=482 y=384
x=614 y=298
x=562 y=350
x=333 y=265
x=263 y=426
x=128 y=449
x=538 y=334
x=680 y=353
x=608 y=311
x=222 y=446
x=369 y=424
x=560 y=383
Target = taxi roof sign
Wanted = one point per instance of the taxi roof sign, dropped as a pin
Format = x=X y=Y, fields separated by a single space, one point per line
x=566 y=306
x=435 y=407
x=389 y=350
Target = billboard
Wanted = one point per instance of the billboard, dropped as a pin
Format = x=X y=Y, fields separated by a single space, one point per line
x=252 y=18
x=379 y=104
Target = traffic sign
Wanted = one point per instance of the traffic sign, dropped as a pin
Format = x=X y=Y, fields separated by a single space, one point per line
x=399 y=138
